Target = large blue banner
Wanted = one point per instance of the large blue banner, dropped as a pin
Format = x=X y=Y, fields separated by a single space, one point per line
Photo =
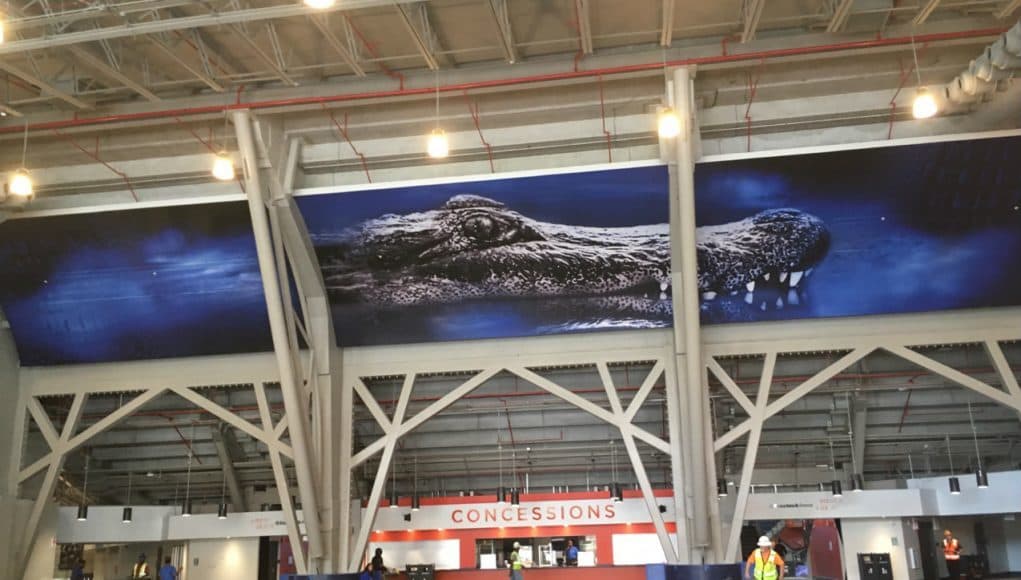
x=898 y=229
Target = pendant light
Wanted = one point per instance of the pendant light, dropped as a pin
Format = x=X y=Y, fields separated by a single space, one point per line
x=20 y=183
x=721 y=487
x=83 y=507
x=668 y=123
x=127 y=513
x=615 y=493
x=223 y=164
x=835 y=486
x=320 y=4
x=981 y=477
x=221 y=512
x=857 y=479
x=186 y=508
x=924 y=106
x=438 y=146
x=415 y=501
x=501 y=491
x=515 y=493
x=955 y=484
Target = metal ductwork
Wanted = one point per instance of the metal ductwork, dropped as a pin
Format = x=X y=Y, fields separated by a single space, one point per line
x=998 y=63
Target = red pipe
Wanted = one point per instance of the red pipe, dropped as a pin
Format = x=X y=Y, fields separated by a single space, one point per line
x=602 y=112
x=403 y=92
x=474 y=110
x=95 y=156
x=343 y=133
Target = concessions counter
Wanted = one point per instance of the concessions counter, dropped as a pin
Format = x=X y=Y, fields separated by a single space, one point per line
x=470 y=537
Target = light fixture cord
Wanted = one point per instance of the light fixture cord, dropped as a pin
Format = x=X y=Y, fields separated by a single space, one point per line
x=914 y=52
x=436 y=74
x=191 y=453
x=911 y=466
x=950 y=456
x=85 y=486
x=129 y=488
x=974 y=435
x=833 y=461
x=24 y=146
x=850 y=433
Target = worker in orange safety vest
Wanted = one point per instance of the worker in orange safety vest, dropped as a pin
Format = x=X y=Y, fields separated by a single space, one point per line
x=952 y=554
x=768 y=564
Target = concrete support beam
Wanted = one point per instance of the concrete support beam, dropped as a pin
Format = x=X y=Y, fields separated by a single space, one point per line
x=498 y=8
x=581 y=8
x=198 y=73
x=97 y=65
x=666 y=34
x=226 y=446
x=419 y=31
x=750 y=17
x=840 y=15
x=925 y=12
x=322 y=25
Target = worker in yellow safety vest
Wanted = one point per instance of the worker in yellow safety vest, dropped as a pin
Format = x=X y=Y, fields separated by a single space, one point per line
x=768 y=564
x=515 y=564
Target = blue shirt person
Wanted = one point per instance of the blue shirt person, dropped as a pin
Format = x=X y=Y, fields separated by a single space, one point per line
x=571 y=554
x=168 y=572
x=78 y=572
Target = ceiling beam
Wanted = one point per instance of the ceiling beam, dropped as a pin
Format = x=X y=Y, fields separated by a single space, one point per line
x=287 y=10
x=199 y=73
x=9 y=111
x=752 y=13
x=581 y=9
x=416 y=35
x=338 y=46
x=498 y=8
x=840 y=15
x=1009 y=9
x=93 y=62
x=266 y=58
x=925 y=12
x=666 y=35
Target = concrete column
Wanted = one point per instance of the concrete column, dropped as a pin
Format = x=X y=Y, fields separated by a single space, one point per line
x=692 y=390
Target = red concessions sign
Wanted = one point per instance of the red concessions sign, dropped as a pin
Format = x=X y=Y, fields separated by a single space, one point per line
x=534 y=515
x=545 y=513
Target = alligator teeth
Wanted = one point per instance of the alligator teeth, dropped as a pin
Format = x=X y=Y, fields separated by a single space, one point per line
x=792 y=298
x=733 y=293
x=663 y=286
x=762 y=306
x=708 y=296
x=808 y=272
x=749 y=298
x=766 y=276
x=750 y=286
x=783 y=276
x=795 y=278
x=779 y=303
x=662 y=295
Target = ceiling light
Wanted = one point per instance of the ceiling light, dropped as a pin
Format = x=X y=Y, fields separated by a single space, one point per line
x=126 y=517
x=186 y=509
x=438 y=145
x=501 y=495
x=982 y=479
x=320 y=4
x=857 y=483
x=924 y=105
x=221 y=513
x=394 y=500
x=721 y=488
x=1 y=30
x=837 y=487
x=20 y=183
x=223 y=167
x=669 y=124
x=955 y=486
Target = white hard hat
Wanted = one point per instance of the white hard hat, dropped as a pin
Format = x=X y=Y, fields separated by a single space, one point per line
x=764 y=542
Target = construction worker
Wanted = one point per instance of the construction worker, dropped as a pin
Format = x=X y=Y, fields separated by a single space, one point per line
x=515 y=564
x=768 y=564
x=952 y=554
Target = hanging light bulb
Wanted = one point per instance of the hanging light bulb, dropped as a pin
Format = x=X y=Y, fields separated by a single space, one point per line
x=320 y=4
x=127 y=513
x=515 y=497
x=438 y=145
x=394 y=499
x=501 y=495
x=83 y=512
x=721 y=488
x=618 y=495
x=837 y=487
x=1 y=30
x=981 y=479
x=20 y=183
x=955 y=486
x=857 y=483
x=223 y=166
x=924 y=105
x=669 y=123
x=186 y=509
x=221 y=512
x=416 y=503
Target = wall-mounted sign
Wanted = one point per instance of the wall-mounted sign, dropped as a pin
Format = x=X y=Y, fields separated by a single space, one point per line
x=492 y=515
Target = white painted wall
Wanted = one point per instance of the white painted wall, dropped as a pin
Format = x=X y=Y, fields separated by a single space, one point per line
x=875 y=536
x=236 y=559
x=115 y=562
x=1012 y=535
x=43 y=561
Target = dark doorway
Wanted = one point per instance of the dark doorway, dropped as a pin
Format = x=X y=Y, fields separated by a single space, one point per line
x=269 y=559
x=927 y=550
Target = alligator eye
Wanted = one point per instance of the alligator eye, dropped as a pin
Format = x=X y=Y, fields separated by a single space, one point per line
x=480 y=228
